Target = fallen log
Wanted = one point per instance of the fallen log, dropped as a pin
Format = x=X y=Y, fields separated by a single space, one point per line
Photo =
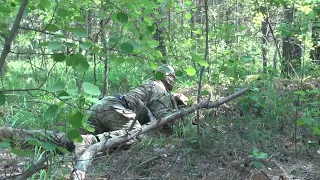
x=85 y=160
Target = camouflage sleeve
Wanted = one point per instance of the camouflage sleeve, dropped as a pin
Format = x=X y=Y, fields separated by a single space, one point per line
x=160 y=103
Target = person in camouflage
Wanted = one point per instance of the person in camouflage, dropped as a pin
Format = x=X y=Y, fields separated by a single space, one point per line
x=119 y=113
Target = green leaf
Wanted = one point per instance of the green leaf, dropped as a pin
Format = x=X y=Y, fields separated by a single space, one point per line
x=94 y=100
x=302 y=93
x=153 y=43
x=305 y=120
x=51 y=112
x=152 y=65
x=159 y=75
x=316 y=130
x=179 y=73
x=122 y=17
x=22 y=152
x=78 y=62
x=63 y=13
x=126 y=48
x=59 y=57
x=62 y=150
x=151 y=28
x=190 y=71
x=4 y=145
x=89 y=128
x=90 y=88
x=204 y=63
x=85 y=46
x=78 y=32
x=188 y=16
x=52 y=28
x=74 y=135
x=4 y=10
x=58 y=86
x=76 y=119
x=54 y=45
x=2 y=99
x=44 y=4
x=80 y=19
x=48 y=146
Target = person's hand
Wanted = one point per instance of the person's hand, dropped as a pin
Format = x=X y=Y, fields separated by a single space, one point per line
x=181 y=99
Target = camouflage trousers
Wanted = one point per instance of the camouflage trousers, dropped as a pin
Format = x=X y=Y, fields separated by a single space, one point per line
x=111 y=118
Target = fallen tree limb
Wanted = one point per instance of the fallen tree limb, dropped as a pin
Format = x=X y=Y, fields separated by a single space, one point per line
x=84 y=161
x=32 y=169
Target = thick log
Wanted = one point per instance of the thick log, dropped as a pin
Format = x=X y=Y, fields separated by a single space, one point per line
x=84 y=161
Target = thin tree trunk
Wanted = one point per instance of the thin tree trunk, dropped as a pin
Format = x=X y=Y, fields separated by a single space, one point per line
x=264 y=30
x=13 y=31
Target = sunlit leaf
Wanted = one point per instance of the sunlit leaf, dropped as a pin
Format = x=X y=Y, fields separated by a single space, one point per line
x=74 y=135
x=302 y=93
x=122 y=17
x=2 y=99
x=152 y=65
x=187 y=16
x=190 y=71
x=58 y=86
x=59 y=57
x=54 y=45
x=126 y=48
x=51 y=112
x=204 y=63
x=90 y=88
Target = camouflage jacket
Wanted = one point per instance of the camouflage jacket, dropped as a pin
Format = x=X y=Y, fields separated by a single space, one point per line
x=152 y=95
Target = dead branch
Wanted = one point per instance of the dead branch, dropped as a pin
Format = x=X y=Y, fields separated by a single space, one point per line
x=33 y=169
x=84 y=161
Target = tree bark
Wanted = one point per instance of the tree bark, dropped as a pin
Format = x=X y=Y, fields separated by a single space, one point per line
x=291 y=48
x=264 y=30
x=84 y=161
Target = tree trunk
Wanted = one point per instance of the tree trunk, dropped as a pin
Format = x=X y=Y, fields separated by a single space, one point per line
x=291 y=48
x=264 y=31
x=315 y=53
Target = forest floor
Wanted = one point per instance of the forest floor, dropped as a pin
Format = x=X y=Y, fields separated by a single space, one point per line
x=258 y=145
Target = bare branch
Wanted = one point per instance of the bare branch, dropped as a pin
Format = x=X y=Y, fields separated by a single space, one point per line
x=33 y=169
x=84 y=161
x=13 y=31
x=36 y=30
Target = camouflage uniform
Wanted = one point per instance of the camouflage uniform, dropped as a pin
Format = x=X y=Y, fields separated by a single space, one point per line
x=116 y=114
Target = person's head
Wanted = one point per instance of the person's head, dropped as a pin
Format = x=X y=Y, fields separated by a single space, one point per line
x=169 y=75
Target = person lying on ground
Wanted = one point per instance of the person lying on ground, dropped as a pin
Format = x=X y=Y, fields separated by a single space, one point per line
x=117 y=114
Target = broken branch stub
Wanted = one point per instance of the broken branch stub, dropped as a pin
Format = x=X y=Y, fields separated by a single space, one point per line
x=84 y=161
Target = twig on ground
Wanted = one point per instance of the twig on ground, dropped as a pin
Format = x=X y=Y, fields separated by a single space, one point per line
x=285 y=173
x=33 y=169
